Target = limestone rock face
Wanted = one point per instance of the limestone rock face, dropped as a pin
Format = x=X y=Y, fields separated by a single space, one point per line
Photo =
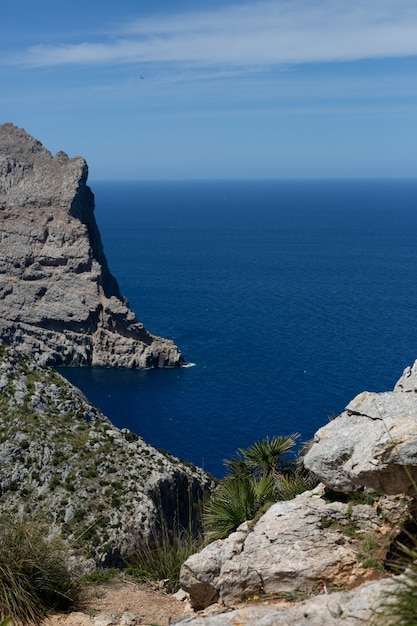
x=58 y=300
x=296 y=545
x=373 y=443
x=408 y=380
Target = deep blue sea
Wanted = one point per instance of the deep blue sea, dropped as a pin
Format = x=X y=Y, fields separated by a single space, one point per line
x=289 y=297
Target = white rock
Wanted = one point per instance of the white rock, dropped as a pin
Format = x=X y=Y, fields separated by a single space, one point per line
x=296 y=545
x=373 y=443
x=350 y=608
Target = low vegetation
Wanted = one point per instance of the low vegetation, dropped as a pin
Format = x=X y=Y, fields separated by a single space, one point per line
x=159 y=558
x=398 y=606
x=257 y=477
x=33 y=574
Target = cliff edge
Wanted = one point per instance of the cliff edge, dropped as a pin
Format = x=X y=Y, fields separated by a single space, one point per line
x=59 y=302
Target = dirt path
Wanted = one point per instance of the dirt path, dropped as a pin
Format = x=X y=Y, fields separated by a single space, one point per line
x=122 y=602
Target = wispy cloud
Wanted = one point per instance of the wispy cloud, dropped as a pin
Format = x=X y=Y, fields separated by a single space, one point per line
x=257 y=34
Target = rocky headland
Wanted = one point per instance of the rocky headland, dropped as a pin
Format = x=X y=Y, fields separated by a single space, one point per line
x=102 y=489
x=59 y=302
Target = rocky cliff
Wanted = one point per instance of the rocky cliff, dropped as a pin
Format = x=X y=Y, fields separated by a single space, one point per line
x=366 y=460
x=58 y=300
x=62 y=460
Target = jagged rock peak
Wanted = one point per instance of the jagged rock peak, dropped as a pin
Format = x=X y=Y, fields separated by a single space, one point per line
x=59 y=301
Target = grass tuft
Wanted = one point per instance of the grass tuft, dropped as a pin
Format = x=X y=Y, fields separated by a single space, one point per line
x=33 y=574
x=159 y=557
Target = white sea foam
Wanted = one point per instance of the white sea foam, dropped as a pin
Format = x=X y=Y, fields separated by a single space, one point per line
x=190 y=365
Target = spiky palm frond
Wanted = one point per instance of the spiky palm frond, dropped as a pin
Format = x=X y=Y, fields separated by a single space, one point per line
x=264 y=455
x=237 y=465
x=237 y=500
x=290 y=485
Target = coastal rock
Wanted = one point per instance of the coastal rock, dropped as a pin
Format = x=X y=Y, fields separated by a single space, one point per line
x=408 y=380
x=100 y=488
x=297 y=545
x=373 y=444
x=59 y=302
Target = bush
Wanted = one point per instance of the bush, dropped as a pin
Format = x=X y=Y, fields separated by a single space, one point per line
x=237 y=499
x=33 y=574
x=263 y=458
x=290 y=485
x=258 y=477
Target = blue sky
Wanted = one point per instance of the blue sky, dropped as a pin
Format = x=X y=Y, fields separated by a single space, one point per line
x=244 y=89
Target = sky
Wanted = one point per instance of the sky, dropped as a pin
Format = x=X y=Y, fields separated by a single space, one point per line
x=164 y=89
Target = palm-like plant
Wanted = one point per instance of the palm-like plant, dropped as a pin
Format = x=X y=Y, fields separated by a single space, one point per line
x=263 y=458
x=258 y=476
x=237 y=499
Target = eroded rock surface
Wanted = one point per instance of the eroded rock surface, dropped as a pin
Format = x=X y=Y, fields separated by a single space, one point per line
x=59 y=303
x=373 y=443
x=350 y=608
x=296 y=545
x=408 y=380
x=312 y=543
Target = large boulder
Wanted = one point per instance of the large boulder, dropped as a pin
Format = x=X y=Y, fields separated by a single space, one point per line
x=373 y=443
x=59 y=303
x=296 y=545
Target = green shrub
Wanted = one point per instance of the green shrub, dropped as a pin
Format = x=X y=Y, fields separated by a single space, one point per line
x=100 y=576
x=263 y=458
x=258 y=477
x=290 y=485
x=33 y=574
x=236 y=500
x=139 y=575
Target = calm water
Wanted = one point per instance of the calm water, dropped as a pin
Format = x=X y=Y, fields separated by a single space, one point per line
x=290 y=298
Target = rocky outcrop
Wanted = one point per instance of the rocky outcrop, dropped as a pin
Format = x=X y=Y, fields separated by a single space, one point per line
x=350 y=608
x=98 y=487
x=373 y=443
x=408 y=380
x=297 y=545
x=319 y=539
x=58 y=300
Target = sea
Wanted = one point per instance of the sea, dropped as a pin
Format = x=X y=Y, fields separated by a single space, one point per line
x=286 y=298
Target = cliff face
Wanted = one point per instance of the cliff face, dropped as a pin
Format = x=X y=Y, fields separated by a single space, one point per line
x=58 y=300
